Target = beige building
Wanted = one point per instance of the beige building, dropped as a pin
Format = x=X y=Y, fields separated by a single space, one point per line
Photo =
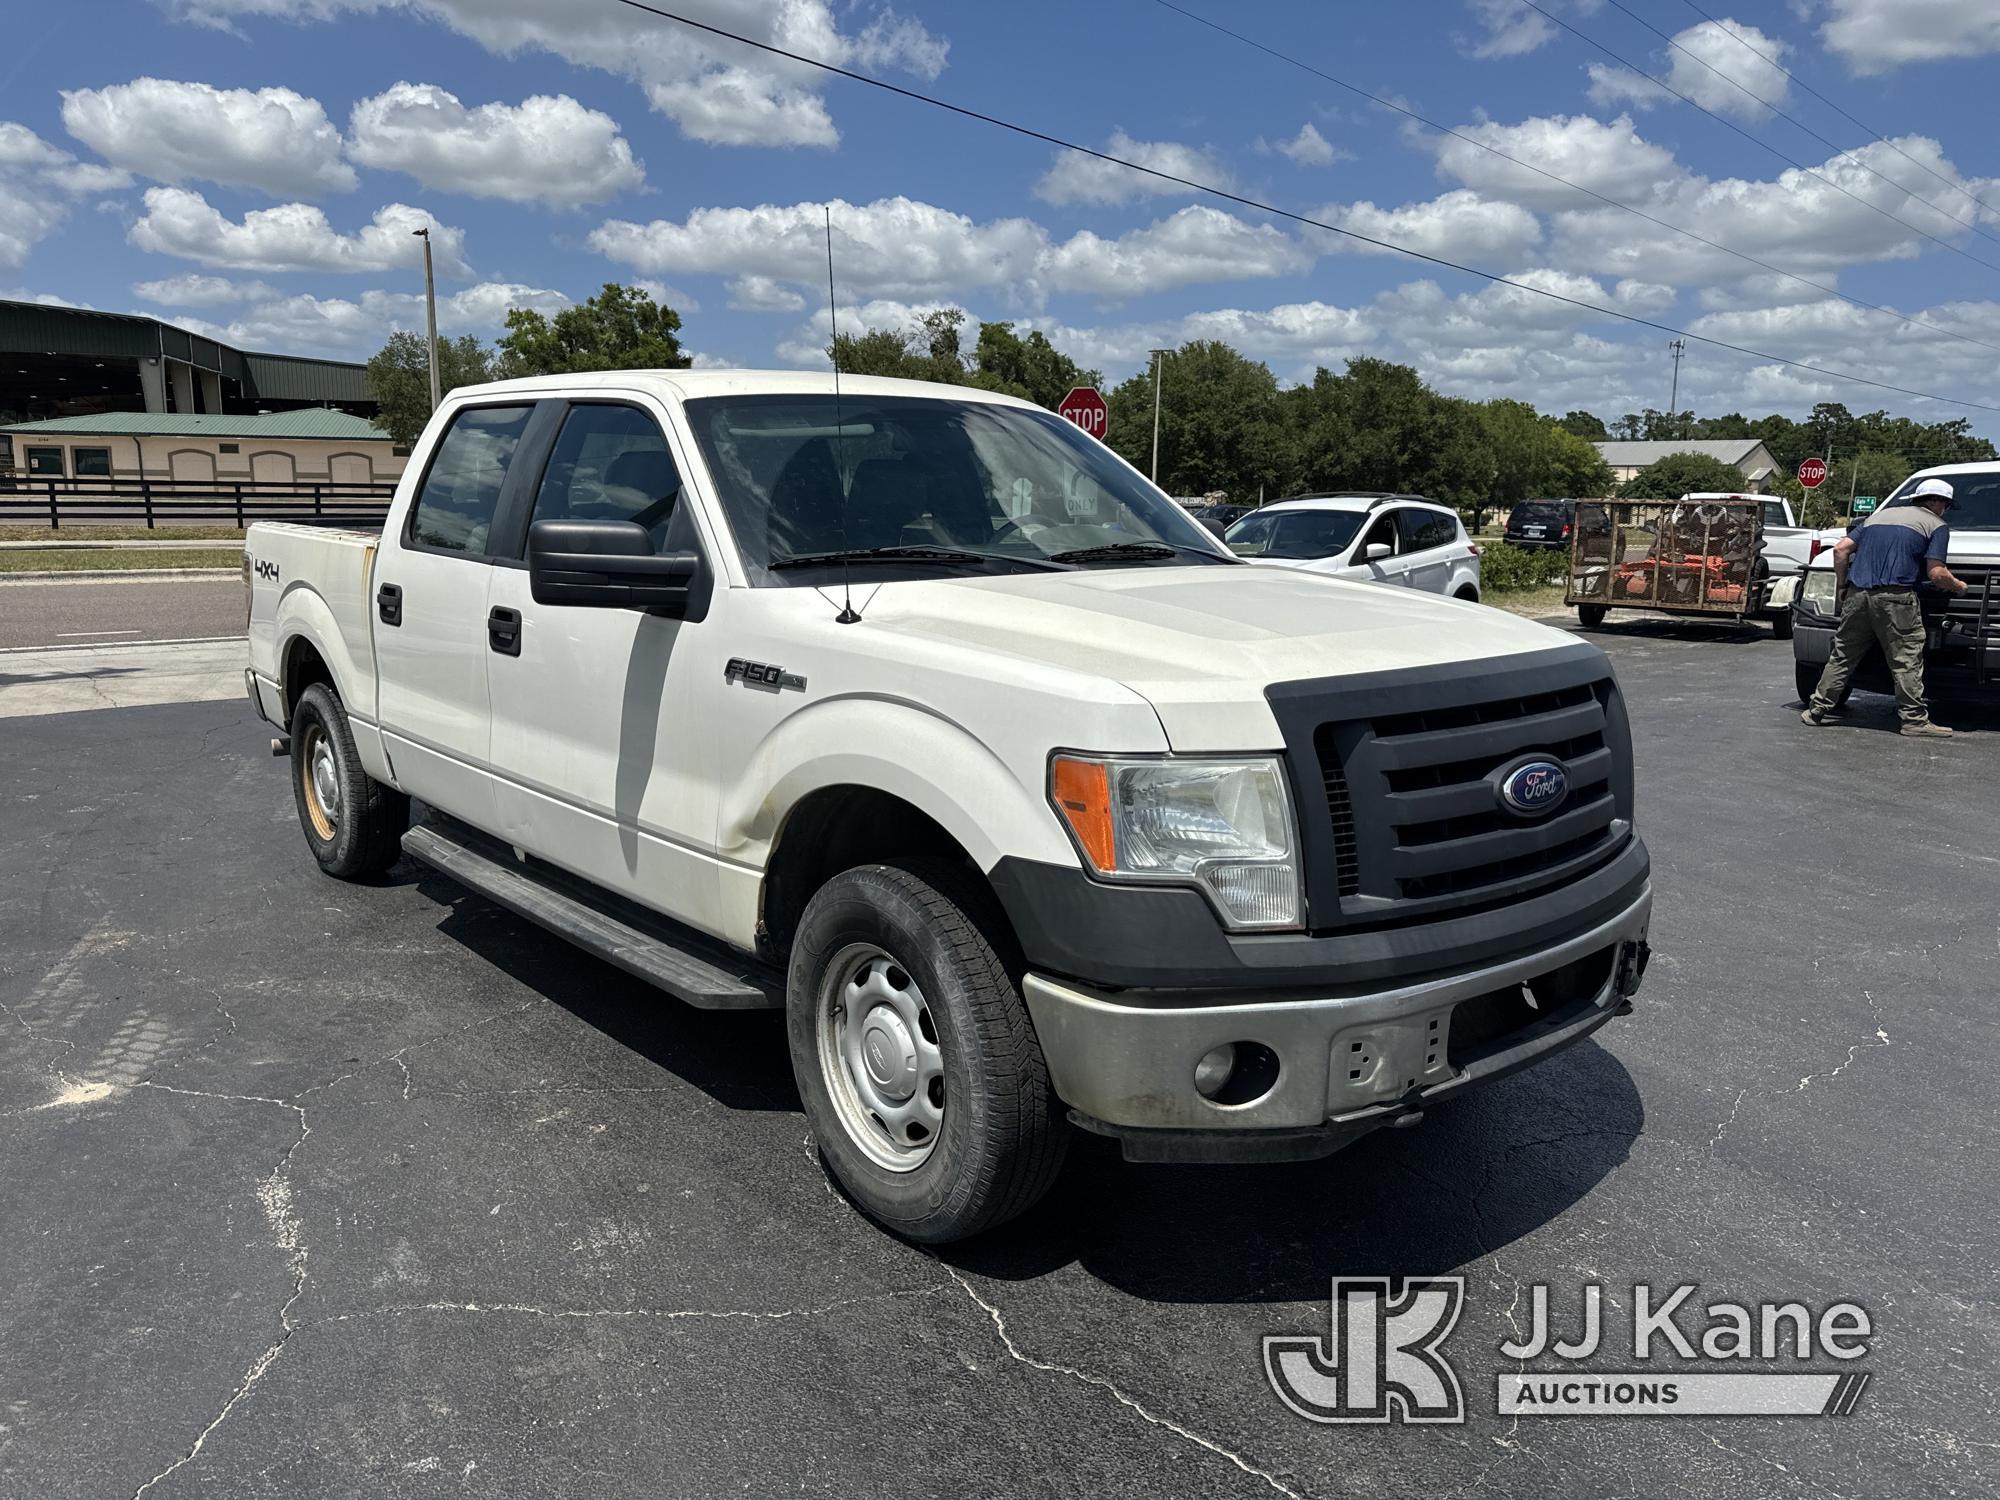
x=1747 y=454
x=309 y=446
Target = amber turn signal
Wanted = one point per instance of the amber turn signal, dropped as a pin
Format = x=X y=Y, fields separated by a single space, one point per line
x=1081 y=790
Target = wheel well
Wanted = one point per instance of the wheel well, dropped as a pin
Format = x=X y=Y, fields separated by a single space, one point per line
x=303 y=666
x=1467 y=591
x=835 y=829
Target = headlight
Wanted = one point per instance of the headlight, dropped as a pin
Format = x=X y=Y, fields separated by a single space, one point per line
x=1818 y=590
x=1223 y=825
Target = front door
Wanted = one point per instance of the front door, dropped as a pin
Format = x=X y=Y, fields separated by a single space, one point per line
x=601 y=740
x=430 y=585
x=1382 y=532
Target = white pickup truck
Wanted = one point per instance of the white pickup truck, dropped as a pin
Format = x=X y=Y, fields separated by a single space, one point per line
x=917 y=713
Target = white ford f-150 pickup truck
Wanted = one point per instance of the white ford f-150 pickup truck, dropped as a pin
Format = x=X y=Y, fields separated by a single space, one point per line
x=917 y=713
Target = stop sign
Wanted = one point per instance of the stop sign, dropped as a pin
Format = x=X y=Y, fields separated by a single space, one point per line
x=1086 y=408
x=1812 y=473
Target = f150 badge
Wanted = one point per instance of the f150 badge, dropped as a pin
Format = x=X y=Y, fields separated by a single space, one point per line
x=759 y=674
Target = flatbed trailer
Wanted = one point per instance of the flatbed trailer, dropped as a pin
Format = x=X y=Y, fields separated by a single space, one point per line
x=1676 y=557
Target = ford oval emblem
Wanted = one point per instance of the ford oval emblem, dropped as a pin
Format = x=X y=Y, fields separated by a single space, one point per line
x=1534 y=788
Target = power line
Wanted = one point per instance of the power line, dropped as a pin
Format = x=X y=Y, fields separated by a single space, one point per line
x=1785 y=114
x=1791 y=161
x=1472 y=140
x=1283 y=213
x=1743 y=42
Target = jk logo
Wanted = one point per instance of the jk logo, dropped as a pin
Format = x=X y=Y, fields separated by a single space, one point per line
x=1381 y=1363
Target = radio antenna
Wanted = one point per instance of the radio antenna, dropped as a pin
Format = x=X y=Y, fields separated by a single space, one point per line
x=847 y=615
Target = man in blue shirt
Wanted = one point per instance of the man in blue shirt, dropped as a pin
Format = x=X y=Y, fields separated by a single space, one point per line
x=1885 y=558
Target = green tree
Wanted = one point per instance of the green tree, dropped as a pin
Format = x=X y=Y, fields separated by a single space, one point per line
x=930 y=351
x=621 y=328
x=1682 y=474
x=1222 y=424
x=1585 y=425
x=399 y=379
x=1031 y=368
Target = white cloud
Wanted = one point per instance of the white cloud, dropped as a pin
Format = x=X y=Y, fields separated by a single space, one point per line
x=762 y=294
x=902 y=250
x=546 y=149
x=1310 y=149
x=88 y=178
x=193 y=290
x=1076 y=178
x=21 y=147
x=1196 y=244
x=1459 y=225
x=1507 y=28
x=29 y=214
x=291 y=237
x=355 y=327
x=1723 y=65
x=271 y=139
x=716 y=91
x=893 y=247
x=1877 y=35
x=1608 y=157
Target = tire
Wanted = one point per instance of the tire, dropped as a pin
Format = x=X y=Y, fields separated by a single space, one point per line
x=968 y=1133
x=353 y=823
x=1590 y=616
x=1781 y=625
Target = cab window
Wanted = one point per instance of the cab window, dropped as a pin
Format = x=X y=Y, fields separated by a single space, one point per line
x=610 y=463
x=1774 y=513
x=454 y=510
x=1421 y=529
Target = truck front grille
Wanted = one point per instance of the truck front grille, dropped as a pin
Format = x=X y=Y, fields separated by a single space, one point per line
x=1409 y=774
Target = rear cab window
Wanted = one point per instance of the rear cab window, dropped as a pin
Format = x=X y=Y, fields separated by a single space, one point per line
x=455 y=508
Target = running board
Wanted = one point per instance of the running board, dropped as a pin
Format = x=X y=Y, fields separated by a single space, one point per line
x=687 y=966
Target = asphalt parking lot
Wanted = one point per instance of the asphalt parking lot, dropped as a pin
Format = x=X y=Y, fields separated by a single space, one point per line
x=315 y=1189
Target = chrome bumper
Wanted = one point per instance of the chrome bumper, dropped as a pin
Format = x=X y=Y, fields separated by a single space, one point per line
x=1347 y=1062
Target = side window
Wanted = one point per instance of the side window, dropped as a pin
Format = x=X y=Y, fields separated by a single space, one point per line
x=1424 y=529
x=610 y=464
x=91 y=461
x=45 y=461
x=1774 y=513
x=453 y=512
x=1383 y=531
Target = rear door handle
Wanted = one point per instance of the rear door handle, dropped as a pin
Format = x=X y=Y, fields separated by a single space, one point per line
x=503 y=631
x=389 y=603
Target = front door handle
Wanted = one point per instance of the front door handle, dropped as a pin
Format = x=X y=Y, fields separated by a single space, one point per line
x=503 y=631
x=389 y=604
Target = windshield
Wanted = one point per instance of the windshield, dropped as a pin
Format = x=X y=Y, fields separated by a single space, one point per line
x=1975 y=499
x=1295 y=533
x=955 y=484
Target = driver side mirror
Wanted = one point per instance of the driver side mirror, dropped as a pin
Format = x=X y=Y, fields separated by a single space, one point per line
x=1376 y=551
x=607 y=564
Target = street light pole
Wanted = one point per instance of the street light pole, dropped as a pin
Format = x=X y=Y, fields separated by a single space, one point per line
x=1158 y=356
x=430 y=315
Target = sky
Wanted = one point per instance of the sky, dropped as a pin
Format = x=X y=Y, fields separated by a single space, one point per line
x=252 y=169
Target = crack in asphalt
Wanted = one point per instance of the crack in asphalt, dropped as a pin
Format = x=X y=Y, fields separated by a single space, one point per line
x=1015 y=1352
x=1879 y=1039
x=662 y=1314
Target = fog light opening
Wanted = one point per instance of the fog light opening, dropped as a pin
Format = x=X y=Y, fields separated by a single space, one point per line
x=1236 y=1073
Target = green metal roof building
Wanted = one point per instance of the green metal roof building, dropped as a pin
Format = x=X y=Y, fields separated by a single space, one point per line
x=64 y=361
x=308 y=422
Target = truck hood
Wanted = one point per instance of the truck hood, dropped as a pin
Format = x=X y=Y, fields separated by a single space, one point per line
x=1202 y=643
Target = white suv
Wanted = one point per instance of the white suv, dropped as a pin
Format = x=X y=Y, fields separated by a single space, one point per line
x=1373 y=538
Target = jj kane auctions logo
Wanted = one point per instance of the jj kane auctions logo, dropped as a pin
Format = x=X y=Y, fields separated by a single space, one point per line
x=1383 y=1358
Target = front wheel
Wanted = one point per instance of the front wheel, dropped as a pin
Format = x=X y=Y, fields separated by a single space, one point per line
x=353 y=823
x=920 y=1073
x=1590 y=616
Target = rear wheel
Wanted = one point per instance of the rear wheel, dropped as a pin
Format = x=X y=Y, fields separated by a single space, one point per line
x=1590 y=616
x=921 y=1076
x=353 y=823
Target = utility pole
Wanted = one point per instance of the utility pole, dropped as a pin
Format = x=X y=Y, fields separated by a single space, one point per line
x=430 y=315
x=1677 y=348
x=1158 y=356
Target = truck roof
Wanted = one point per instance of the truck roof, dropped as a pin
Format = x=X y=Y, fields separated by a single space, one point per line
x=692 y=385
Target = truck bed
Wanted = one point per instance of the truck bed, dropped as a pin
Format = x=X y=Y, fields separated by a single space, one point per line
x=314 y=582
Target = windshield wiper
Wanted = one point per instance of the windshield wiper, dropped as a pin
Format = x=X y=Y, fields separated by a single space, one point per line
x=1128 y=552
x=913 y=553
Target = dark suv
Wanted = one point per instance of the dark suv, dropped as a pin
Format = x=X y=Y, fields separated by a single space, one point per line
x=1539 y=524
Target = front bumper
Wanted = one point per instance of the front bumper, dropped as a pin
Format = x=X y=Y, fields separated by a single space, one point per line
x=1349 y=1061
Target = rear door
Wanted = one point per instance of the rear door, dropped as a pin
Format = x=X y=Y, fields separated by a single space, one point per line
x=430 y=588
x=1425 y=539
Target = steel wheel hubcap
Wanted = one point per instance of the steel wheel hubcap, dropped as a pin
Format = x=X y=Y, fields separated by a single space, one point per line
x=878 y=1052
x=321 y=779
